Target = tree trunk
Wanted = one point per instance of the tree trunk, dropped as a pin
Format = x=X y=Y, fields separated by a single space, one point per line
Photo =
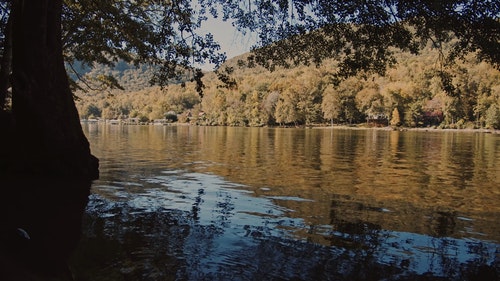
x=48 y=140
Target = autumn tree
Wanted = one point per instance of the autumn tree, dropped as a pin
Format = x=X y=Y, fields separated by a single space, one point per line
x=395 y=118
x=310 y=96
x=286 y=110
x=269 y=106
x=214 y=106
x=331 y=104
x=346 y=108
x=254 y=109
x=235 y=108
x=492 y=118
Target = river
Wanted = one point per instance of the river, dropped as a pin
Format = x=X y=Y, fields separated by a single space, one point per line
x=224 y=203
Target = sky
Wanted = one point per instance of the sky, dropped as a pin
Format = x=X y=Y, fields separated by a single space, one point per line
x=232 y=42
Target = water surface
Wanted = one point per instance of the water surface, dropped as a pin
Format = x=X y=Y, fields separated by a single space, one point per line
x=218 y=203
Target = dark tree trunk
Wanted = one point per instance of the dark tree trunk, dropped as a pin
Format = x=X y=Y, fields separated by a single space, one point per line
x=48 y=140
x=45 y=162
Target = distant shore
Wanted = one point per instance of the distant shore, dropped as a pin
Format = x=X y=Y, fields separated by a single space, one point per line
x=424 y=129
x=316 y=126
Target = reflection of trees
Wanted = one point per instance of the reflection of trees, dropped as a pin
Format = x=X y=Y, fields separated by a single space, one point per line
x=355 y=234
x=444 y=224
x=368 y=198
x=129 y=243
x=443 y=257
x=421 y=170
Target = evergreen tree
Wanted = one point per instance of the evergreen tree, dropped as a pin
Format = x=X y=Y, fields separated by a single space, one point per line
x=395 y=120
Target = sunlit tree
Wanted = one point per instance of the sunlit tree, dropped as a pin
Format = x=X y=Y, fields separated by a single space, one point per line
x=331 y=104
x=286 y=109
x=254 y=110
x=214 y=106
x=235 y=109
x=395 y=118
x=492 y=118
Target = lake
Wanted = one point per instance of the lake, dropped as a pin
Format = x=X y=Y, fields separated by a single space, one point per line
x=224 y=203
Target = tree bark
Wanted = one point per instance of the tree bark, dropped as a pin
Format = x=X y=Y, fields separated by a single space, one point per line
x=48 y=140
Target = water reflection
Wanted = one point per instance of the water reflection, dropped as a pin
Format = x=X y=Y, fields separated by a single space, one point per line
x=198 y=203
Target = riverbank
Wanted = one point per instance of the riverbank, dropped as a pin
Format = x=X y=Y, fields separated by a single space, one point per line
x=316 y=126
x=426 y=129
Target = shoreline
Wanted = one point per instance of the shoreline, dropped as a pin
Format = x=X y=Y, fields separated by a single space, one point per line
x=335 y=127
x=403 y=129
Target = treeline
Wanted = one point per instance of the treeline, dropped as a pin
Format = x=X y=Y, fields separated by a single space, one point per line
x=416 y=92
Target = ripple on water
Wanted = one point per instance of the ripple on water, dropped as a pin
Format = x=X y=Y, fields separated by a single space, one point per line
x=214 y=226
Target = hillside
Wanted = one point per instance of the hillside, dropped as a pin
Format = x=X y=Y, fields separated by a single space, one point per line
x=410 y=94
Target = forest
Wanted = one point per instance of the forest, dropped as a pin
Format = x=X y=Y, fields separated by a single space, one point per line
x=415 y=92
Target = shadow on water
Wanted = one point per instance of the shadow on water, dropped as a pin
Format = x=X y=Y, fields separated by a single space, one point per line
x=40 y=227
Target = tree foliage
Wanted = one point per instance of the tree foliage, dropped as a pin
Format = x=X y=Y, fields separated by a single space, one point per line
x=363 y=35
x=306 y=96
x=163 y=34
